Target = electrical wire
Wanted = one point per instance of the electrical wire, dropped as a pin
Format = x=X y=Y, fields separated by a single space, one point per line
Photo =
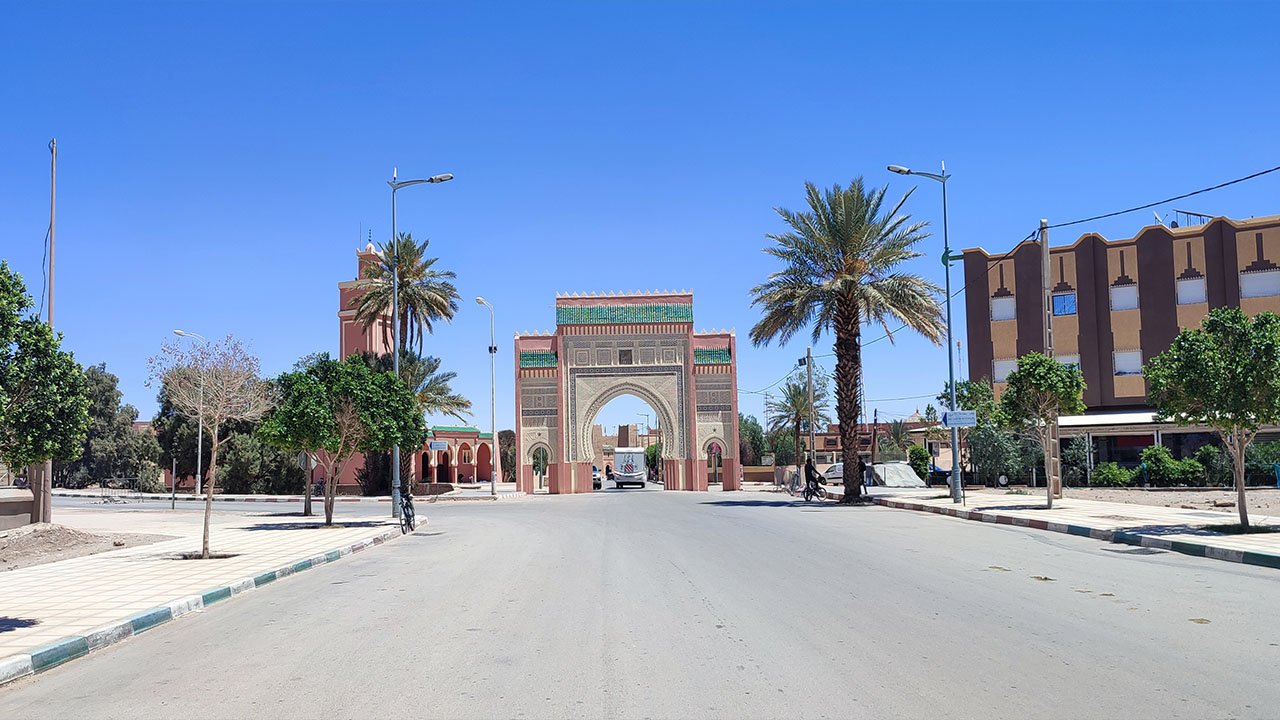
x=1183 y=196
x=44 y=271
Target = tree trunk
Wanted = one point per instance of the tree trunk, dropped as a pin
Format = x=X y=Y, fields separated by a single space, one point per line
x=330 y=489
x=1048 y=480
x=848 y=329
x=306 y=482
x=208 y=490
x=1239 y=450
x=406 y=470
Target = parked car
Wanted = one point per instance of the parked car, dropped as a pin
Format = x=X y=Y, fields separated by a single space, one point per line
x=595 y=478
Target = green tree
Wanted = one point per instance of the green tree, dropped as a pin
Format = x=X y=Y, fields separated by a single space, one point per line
x=652 y=460
x=1075 y=460
x=975 y=395
x=507 y=446
x=112 y=447
x=426 y=295
x=841 y=269
x=920 y=460
x=899 y=434
x=783 y=445
x=1226 y=375
x=342 y=408
x=218 y=380
x=790 y=410
x=430 y=389
x=751 y=444
x=994 y=452
x=1038 y=391
x=44 y=403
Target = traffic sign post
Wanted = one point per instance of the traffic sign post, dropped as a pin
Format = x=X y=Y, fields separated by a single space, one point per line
x=959 y=418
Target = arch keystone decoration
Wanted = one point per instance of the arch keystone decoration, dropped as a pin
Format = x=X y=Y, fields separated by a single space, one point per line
x=609 y=344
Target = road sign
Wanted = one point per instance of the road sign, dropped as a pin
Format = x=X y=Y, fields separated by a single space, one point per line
x=959 y=418
x=306 y=461
x=437 y=445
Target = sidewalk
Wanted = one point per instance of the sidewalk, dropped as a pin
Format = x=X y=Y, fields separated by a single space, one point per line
x=57 y=611
x=1173 y=529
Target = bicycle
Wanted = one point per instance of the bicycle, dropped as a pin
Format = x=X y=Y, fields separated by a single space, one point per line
x=812 y=490
x=408 y=523
x=791 y=484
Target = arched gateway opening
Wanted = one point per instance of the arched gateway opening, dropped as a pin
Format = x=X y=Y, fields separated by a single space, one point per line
x=643 y=345
x=626 y=423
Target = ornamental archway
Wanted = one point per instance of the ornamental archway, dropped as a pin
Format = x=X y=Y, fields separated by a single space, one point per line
x=643 y=344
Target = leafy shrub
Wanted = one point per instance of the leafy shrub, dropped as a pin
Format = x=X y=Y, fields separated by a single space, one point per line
x=1109 y=474
x=1075 y=460
x=919 y=459
x=1164 y=471
x=149 y=479
x=1216 y=464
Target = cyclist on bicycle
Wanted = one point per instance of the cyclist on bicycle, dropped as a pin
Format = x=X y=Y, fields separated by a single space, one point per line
x=812 y=478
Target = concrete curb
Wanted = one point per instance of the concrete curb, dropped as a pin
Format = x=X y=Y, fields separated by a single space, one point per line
x=1194 y=549
x=60 y=651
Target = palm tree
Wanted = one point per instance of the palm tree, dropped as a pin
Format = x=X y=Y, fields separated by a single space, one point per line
x=426 y=295
x=899 y=435
x=840 y=271
x=790 y=411
x=430 y=387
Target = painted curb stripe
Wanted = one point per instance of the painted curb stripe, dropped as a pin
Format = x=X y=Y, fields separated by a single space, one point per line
x=58 y=652
x=1244 y=557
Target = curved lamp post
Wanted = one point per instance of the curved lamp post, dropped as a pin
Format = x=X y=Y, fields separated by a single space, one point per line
x=200 y=420
x=395 y=316
x=951 y=365
x=495 y=465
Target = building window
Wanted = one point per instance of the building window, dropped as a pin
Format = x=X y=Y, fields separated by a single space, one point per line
x=1004 y=308
x=1191 y=291
x=624 y=357
x=1069 y=359
x=1128 y=362
x=1064 y=303
x=828 y=442
x=1124 y=297
x=1000 y=370
x=1260 y=284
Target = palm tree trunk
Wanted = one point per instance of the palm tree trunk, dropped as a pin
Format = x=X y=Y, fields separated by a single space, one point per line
x=848 y=327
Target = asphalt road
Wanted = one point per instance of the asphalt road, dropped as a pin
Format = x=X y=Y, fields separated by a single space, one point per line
x=678 y=605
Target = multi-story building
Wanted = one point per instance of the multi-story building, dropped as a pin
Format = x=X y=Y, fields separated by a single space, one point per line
x=1116 y=304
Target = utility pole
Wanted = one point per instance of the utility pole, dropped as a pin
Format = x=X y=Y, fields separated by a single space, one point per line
x=875 y=431
x=808 y=364
x=1052 y=478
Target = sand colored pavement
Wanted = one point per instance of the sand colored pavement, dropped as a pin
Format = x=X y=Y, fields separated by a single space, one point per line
x=44 y=603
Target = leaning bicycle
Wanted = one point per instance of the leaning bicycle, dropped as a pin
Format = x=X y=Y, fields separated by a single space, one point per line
x=791 y=484
x=408 y=523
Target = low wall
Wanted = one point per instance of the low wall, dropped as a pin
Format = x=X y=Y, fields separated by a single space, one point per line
x=15 y=507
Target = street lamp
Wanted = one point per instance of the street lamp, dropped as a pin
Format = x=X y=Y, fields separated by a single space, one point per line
x=395 y=316
x=200 y=413
x=951 y=365
x=496 y=463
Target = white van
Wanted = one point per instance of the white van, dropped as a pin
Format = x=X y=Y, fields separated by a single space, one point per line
x=629 y=466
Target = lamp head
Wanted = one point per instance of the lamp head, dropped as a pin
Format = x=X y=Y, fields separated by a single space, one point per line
x=481 y=301
x=899 y=169
x=443 y=177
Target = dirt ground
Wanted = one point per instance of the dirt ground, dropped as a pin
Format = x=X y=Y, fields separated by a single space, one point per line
x=1265 y=501
x=44 y=542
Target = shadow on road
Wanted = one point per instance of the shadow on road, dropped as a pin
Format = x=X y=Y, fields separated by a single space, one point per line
x=9 y=624
x=315 y=526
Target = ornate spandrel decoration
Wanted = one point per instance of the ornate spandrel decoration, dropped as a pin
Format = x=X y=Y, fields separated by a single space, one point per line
x=1260 y=262
x=1190 y=272
x=623 y=314
x=1124 y=278
x=537 y=360
x=711 y=356
x=1002 y=291
x=1063 y=285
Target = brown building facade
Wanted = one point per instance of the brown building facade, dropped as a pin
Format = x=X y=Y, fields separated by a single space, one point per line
x=1116 y=304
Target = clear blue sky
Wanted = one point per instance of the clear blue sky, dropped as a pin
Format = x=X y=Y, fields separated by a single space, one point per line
x=218 y=161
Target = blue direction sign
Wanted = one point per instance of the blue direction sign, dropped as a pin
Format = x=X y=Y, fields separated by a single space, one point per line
x=959 y=418
x=437 y=445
